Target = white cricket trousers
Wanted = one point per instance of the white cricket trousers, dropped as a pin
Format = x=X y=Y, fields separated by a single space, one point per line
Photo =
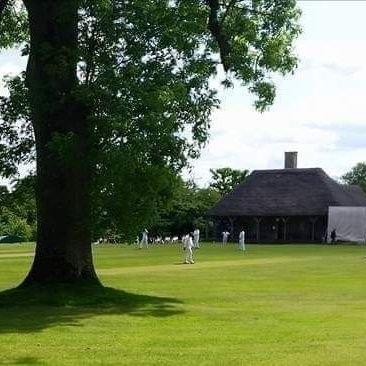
x=189 y=255
x=144 y=243
x=196 y=242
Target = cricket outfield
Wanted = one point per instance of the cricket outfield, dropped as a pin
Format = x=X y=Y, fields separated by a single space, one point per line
x=273 y=305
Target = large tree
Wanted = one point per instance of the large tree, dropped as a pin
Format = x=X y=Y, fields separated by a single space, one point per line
x=117 y=88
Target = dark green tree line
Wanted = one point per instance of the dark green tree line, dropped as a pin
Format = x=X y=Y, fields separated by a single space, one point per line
x=357 y=176
x=224 y=180
x=18 y=209
x=186 y=211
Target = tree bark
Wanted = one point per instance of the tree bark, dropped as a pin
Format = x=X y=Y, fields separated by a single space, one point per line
x=60 y=121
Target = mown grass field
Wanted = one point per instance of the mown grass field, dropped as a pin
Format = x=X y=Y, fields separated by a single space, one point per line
x=273 y=305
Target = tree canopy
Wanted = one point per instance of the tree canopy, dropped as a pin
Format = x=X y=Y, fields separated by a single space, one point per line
x=145 y=68
x=357 y=175
x=224 y=180
x=186 y=211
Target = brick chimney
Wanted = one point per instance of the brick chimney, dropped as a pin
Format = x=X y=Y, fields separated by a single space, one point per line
x=291 y=160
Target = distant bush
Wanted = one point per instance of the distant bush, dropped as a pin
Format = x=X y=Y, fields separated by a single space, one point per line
x=11 y=224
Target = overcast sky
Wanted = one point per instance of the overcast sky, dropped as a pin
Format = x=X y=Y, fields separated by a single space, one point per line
x=320 y=111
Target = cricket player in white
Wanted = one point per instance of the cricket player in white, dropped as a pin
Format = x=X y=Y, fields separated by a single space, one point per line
x=145 y=239
x=187 y=246
x=242 y=240
x=196 y=238
x=225 y=236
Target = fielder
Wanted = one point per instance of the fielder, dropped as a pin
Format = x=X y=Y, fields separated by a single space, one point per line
x=196 y=238
x=187 y=246
x=242 y=240
x=145 y=239
x=225 y=236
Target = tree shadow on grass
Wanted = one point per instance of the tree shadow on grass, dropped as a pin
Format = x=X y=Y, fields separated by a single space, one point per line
x=25 y=361
x=35 y=308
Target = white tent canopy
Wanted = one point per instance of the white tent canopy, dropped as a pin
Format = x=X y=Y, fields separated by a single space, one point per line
x=349 y=223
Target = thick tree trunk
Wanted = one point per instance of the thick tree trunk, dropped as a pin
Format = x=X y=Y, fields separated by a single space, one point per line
x=60 y=120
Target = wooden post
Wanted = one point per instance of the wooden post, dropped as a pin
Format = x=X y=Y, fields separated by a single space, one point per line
x=258 y=221
x=231 y=220
x=285 y=220
x=313 y=220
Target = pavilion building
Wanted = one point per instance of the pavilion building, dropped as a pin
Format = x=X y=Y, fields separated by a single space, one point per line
x=283 y=205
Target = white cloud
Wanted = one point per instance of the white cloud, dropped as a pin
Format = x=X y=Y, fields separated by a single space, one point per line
x=318 y=112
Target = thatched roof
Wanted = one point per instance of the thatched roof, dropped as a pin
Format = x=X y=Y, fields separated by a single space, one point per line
x=287 y=192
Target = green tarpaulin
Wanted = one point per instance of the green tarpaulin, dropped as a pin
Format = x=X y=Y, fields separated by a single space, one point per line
x=10 y=239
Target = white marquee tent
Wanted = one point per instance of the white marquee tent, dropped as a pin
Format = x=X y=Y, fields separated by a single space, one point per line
x=349 y=223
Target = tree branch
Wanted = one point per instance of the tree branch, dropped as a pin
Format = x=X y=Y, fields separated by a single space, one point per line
x=3 y=4
x=217 y=32
x=90 y=67
x=228 y=8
